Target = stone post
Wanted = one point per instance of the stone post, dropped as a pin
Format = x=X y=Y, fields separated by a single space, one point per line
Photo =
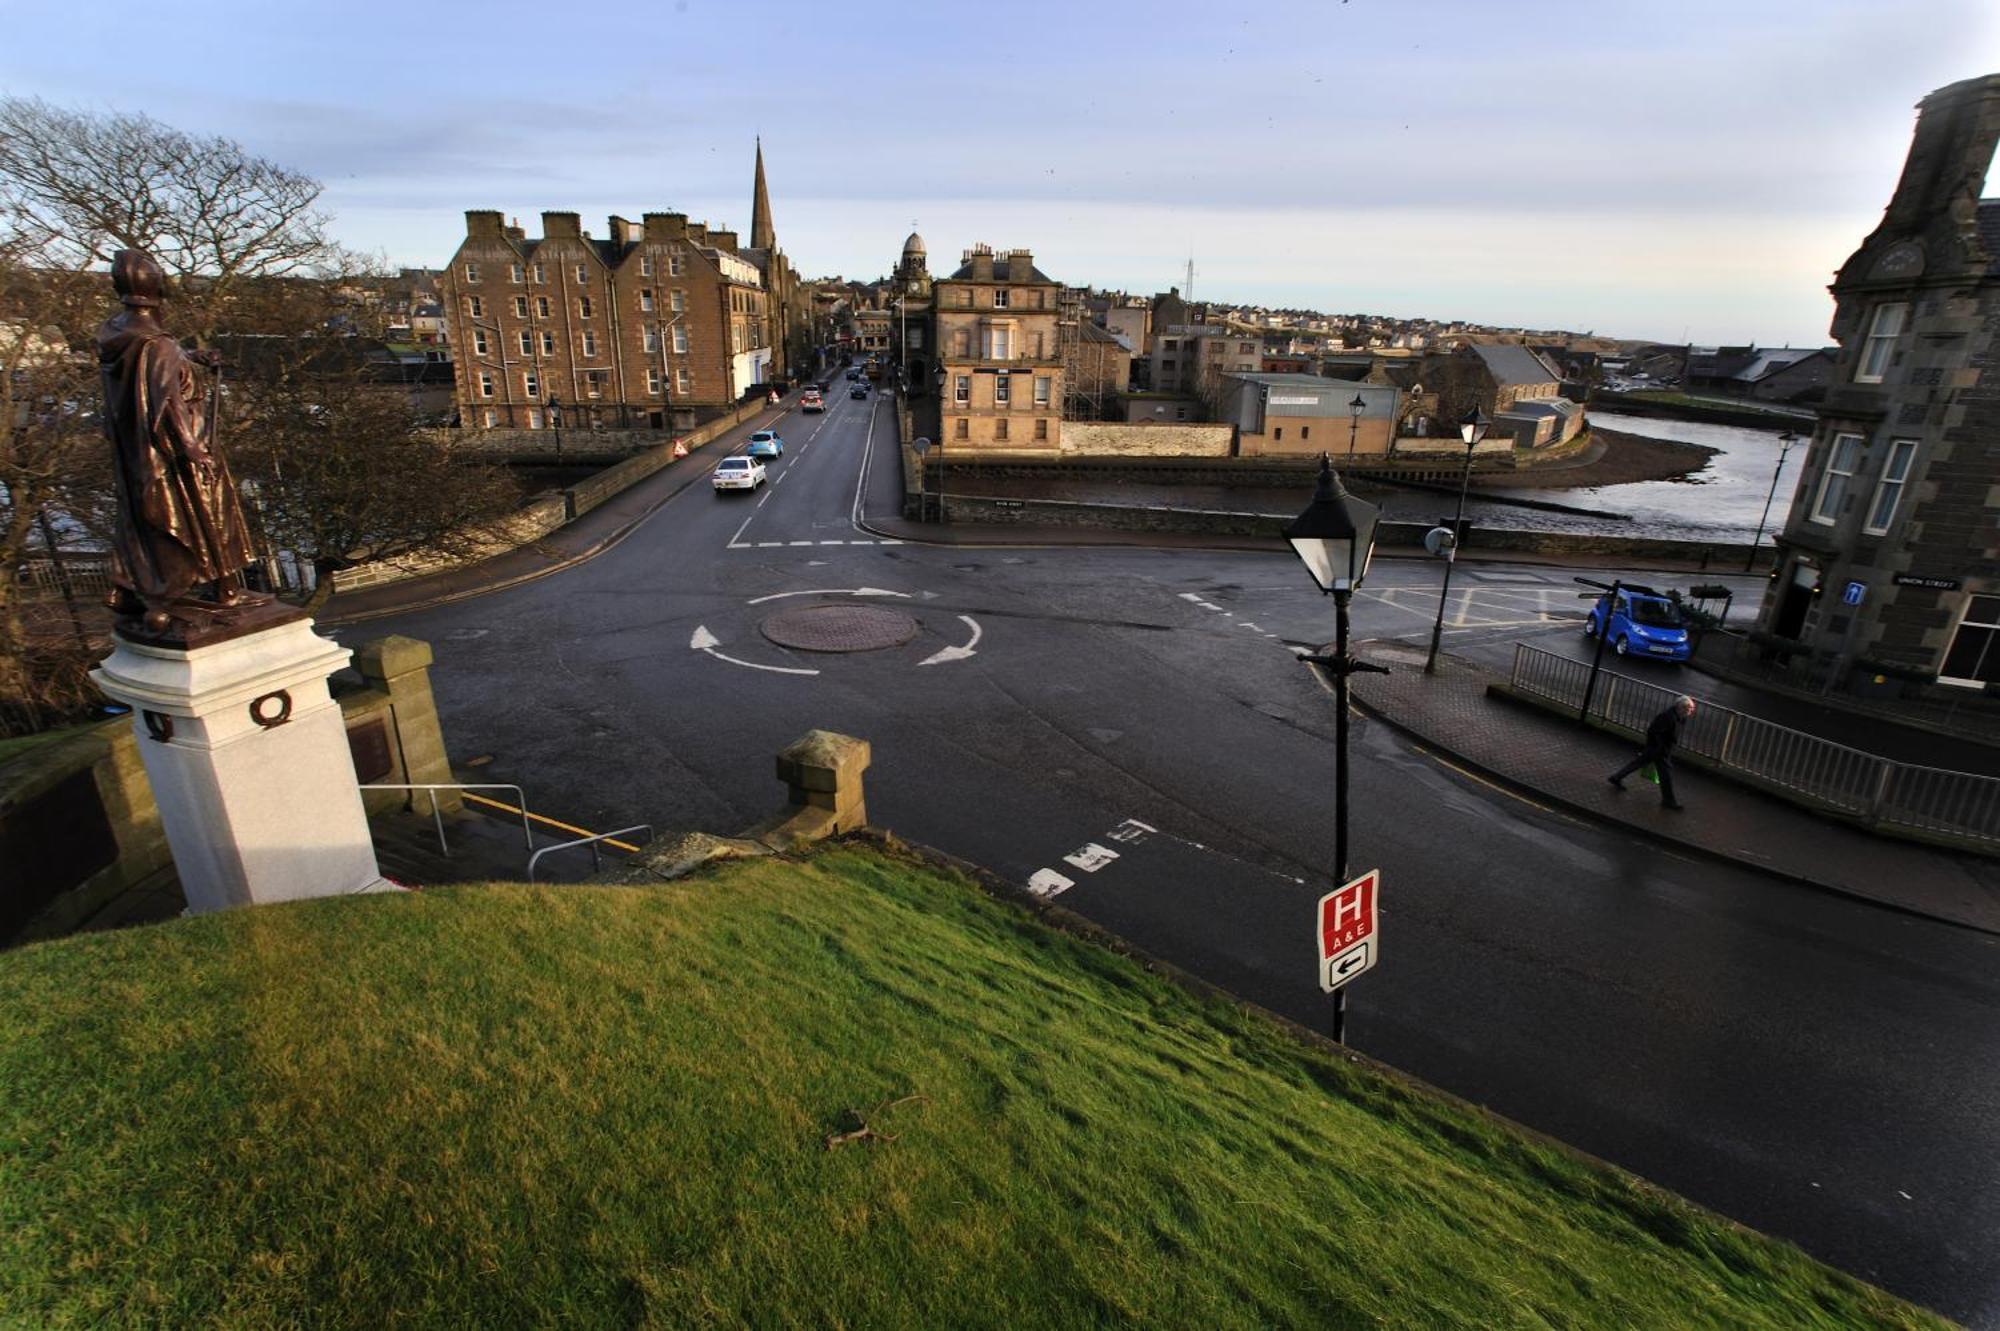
x=401 y=668
x=822 y=775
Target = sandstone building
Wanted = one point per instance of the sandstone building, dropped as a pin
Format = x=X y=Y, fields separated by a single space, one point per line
x=1890 y=556
x=660 y=324
x=999 y=345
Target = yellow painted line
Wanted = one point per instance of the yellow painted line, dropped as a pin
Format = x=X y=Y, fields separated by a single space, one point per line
x=1490 y=785
x=552 y=822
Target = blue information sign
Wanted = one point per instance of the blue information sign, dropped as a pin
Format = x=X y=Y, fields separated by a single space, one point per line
x=1853 y=592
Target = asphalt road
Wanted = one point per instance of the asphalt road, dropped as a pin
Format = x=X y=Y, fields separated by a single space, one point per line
x=1808 y=1065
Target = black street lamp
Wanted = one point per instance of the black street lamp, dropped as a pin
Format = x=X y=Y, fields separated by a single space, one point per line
x=1785 y=442
x=1471 y=428
x=1335 y=539
x=1354 y=410
x=555 y=421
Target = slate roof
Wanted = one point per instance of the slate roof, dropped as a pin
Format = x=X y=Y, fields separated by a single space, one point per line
x=1512 y=364
x=1003 y=272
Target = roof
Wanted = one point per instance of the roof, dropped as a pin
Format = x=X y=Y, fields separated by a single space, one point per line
x=1003 y=272
x=1092 y=333
x=1313 y=395
x=1514 y=364
x=1988 y=222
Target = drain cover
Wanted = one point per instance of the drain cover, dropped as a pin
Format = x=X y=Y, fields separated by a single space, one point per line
x=840 y=628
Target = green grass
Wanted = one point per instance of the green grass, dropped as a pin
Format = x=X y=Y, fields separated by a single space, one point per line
x=13 y=746
x=509 y=1106
x=1669 y=398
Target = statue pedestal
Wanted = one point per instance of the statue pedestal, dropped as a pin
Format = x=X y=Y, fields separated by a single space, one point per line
x=248 y=760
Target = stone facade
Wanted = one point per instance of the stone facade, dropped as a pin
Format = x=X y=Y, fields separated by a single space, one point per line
x=1889 y=557
x=999 y=344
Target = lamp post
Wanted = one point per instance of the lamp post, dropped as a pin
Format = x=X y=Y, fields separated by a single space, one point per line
x=555 y=422
x=940 y=442
x=1471 y=428
x=1785 y=442
x=1354 y=410
x=1335 y=538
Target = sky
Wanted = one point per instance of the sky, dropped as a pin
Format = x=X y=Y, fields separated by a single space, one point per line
x=1693 y=171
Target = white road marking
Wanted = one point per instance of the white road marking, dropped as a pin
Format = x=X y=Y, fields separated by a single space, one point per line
x=1090 y=858
x=801 y=542
x=828 y=591
x=861 y=480
x=740 y=530
x=1131 y=831
x=704 y=641
x=945 y=654
x=833 y=542
x=1046 y=883
x=765 y=545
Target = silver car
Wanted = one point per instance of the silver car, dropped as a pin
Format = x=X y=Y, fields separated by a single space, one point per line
x=737 y=473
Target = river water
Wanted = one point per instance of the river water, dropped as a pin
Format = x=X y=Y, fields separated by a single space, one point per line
x=1720 y=503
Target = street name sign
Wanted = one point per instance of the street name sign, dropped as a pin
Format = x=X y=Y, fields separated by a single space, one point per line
x=1349 y=944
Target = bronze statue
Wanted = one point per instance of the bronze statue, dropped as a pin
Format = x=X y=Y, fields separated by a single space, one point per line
x=180 y=523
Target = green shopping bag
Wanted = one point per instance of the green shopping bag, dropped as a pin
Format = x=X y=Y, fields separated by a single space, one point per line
x=1651 y=773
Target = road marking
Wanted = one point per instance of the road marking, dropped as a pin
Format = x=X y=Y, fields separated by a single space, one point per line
x=801 y=542
x=833 y=542
x=765 y=545
x=827 y=591
x=1490 y=785
x=1046 y=883
x=1131 y=832
x=1091 y=857
x=704 y=641
x=861 y=481
x=740 y=530
x=765 y=500
x=945 y=654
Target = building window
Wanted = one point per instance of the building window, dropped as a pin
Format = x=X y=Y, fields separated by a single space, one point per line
x=1041 y=429
x=584 y=307
x=582 y=273
x=681 y=380
x=486 y=385
x=542 y=307
x=1889 y=490
x=646 y=301
x=1043 y=385
x=653 y=382
x=1000 y=297
x=961 y=342
x=917 y=338
x=490 y=417
x=548 y=344
x=593 y=383
x=527 y=343
x=961 y=428
x=541 y=275
x=1974 y=655
x=472 y=272
x=961 y=389
x=475 y=307
x=645 y=265
x=997 y=343
x=534 y=418
x=652 y=337
x=1170 y=344
x=677 y=301
x=1840 y=460
x=1883 y=331
x=531 y=384
x=517 y=274
x=589 y=342
x=680 y=340
x=1000 y=429
x=479 y=342
x=1305 y=432
x=520 y=307
x=676 y=265
x=1246 y=348
x=1003 y=391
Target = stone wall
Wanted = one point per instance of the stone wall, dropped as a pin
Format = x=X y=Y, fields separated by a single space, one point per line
x=1144 y=439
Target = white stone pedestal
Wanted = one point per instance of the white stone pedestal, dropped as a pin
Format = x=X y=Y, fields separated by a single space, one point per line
x=256 y=810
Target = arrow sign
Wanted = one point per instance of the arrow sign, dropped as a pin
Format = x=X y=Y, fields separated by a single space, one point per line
x=956 y=653
x=1349 y=942
x=704 y=641
x=830 y=591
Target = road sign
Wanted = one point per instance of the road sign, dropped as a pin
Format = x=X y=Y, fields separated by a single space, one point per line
x=1852 y=593
x=1440 y=541
x=920 y=446
x=1349 y=944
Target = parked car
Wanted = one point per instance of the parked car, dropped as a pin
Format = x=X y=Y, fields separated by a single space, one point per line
x=737 y=473
x=766 y=444
x=812 y=401
x=860 y=391
x=1642 y=623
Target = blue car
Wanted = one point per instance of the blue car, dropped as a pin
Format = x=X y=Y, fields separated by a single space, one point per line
x=1642 y=623
x=766 y=444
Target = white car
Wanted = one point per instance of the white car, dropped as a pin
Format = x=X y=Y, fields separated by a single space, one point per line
x=737 y=473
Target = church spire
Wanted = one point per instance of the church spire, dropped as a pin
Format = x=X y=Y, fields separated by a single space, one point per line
x=763 y=235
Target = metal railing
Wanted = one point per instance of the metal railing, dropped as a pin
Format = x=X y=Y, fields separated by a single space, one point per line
x=596 y=860
x=437 y=817
x=1957 y=805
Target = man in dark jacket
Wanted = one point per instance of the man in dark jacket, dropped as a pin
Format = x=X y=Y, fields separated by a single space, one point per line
x=1661 y=736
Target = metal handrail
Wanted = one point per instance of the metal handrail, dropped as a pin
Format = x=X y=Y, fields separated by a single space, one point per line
x=1881 y=790
x=437 y=817
x=596 y=860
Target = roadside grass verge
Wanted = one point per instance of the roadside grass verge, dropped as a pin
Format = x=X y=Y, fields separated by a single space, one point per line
x=510 y=1106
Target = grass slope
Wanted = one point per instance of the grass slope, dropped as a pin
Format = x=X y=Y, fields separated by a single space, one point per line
x=509 y=1106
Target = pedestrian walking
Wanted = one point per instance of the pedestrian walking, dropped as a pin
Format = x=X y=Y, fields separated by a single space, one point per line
x=1661 y=737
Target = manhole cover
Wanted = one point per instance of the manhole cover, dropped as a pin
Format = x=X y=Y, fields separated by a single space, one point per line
x=840 y=628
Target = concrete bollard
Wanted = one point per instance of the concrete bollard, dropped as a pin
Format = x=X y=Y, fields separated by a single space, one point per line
x=401 y=668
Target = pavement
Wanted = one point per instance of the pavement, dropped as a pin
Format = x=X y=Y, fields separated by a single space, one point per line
x=1565 y=765
x=1450 y=712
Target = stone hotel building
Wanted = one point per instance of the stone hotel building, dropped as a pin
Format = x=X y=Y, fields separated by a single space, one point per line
x=997 y=345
